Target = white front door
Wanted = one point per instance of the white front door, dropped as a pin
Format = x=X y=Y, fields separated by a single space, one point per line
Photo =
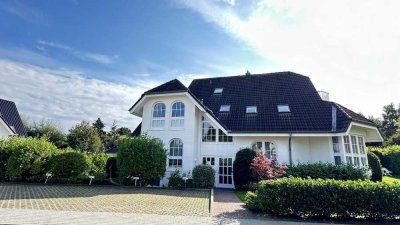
x=223 y=167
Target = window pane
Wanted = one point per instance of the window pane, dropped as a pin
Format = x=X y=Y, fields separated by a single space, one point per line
x=178 y=109
x=159 y=110
x=208 y=133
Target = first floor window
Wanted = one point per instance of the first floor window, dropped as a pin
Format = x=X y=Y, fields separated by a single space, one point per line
x=348 y=160
x=222 y=137
x=346 y=141
x=175 y=153
x=361 y=145
x=357 y=161
x=338 y=160
x=354 y=145
x=363 y=161
x=158 y=120
x=177 y=115
x=270 y=152
x=335 y=143
x=209 y=133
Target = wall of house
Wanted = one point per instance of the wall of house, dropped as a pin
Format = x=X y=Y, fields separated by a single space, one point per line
x=4 y=132
x=321 y=149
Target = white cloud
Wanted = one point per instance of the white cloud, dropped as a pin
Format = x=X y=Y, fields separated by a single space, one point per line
x=349 y=48
x=67 y=96
x=85 y=56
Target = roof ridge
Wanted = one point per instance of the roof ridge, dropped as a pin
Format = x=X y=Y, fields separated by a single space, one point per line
x=256 y=74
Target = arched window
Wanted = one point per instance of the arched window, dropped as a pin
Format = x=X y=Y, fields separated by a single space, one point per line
x=178 y=115
x=158 y=120
x=270 y=151
x=175 y=153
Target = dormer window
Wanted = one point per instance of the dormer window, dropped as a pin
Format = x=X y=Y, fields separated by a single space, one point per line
x=225 y=108
x=251 y=109
x=283 y=108
x=218 y=90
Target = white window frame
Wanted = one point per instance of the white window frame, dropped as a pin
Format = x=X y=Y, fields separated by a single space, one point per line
x=225 y=108
x=361 y=145
x=335 y=145
x=339 y=157
x=223 y=138
x=347 y=145
x=354 y=144
x=218 y=90
x=205 y=137
x=263 y=148
x=251 y=109
x=177 y=122
x=158 y=119
x=284 y=108
x=177 y=153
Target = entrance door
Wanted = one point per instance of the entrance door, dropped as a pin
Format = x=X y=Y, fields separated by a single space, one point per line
x=225 y=173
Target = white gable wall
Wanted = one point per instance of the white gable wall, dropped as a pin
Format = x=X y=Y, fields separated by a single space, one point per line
x=4 y=130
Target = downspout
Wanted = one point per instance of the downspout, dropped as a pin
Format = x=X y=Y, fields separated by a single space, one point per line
x=290 y=149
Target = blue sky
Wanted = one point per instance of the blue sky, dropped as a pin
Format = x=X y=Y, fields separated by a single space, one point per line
x=78 y=60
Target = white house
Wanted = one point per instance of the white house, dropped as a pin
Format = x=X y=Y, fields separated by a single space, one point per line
x=10 y=121
x=280 y=114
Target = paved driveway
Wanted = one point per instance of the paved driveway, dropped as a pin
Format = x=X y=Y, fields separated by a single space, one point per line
x=104 y=199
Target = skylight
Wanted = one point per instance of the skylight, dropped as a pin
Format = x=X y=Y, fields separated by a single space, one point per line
x=251 y=109
x=225 y=108
x=283 y=108
x=218 y=90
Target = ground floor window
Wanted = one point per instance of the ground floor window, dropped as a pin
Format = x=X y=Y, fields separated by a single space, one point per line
x=209 y=161
x=175 y=153
x=349 y=160
x=338 y=160
x=225 y=171
x=269 y=149
x=363 y=161
x=357 y=161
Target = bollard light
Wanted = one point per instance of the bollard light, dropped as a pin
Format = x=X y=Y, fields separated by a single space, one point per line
x=91 y=178
x=135 y=179
x=185 y=179
x=48 y=174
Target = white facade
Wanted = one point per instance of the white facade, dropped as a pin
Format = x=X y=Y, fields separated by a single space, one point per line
x=5 y=131
x=193 y=150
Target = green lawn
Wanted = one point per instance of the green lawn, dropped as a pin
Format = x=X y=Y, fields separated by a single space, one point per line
x=388 y=179
x=241 y=195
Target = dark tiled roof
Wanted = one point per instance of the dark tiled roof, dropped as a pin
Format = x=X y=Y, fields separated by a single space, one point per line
x=309 y=113
x=137 y=130
x=355 y=116
x=169 y=87
x=112 y=150
x=9 y=114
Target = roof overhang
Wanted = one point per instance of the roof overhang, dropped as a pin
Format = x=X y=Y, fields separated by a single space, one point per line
x=286 y=134
x=7 y=127
x=373 y=134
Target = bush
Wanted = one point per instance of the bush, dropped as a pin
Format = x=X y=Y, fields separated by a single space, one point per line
x=175 y=180
x=203 y=176
x=327 y=198
x=389 y=157
x=25 y=159
x=326 y=171
x=375 y=166
x=141 y=156
x=265 y=169
x=241 y=168
x=70 y=165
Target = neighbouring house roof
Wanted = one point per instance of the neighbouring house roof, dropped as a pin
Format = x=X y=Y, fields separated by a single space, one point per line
x=137 y=130
x=9 y=114
x=308 y=112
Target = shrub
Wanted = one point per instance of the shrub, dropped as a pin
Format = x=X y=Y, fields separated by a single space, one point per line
x=70 y=165
x=84 y=137
x=389 y=157
x=203 y=176
x=326 y=171
x=327 y=198
x=25 y=158
x=175 y=180
x=241 y=167
x=375 y=166
x=141 y=156
x=264 y=169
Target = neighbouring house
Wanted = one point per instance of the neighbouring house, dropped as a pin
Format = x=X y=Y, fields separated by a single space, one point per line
x=10 y=120
x=280 y=114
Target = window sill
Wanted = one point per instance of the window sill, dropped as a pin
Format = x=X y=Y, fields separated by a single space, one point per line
x=178 y=128
x=156 y=129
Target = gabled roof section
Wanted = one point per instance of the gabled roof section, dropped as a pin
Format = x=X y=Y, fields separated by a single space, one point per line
x=355 y=117
x=308 y=112
x=137 y=130
x=172 y=86
x=9 y=114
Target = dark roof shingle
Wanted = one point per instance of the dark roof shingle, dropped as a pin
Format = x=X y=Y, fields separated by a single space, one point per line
x=9 y=114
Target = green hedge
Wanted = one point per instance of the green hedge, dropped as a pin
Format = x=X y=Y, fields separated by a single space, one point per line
x=326 y=171
x=375 y=166
x=241 y=168
x=326 y=198
x=389 y=157
x=203 y=176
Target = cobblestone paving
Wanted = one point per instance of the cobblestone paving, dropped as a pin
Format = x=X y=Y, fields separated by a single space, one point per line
x=104 y=199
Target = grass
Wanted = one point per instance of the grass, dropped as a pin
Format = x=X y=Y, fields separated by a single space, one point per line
x=391 y=180
x=241 y=195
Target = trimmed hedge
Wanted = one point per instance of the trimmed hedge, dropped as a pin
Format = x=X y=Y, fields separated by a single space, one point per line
x=375 y=166
x=326 y=171
x=203 y=176
x=389 y=157
x=242 y=168
x=326 y=198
